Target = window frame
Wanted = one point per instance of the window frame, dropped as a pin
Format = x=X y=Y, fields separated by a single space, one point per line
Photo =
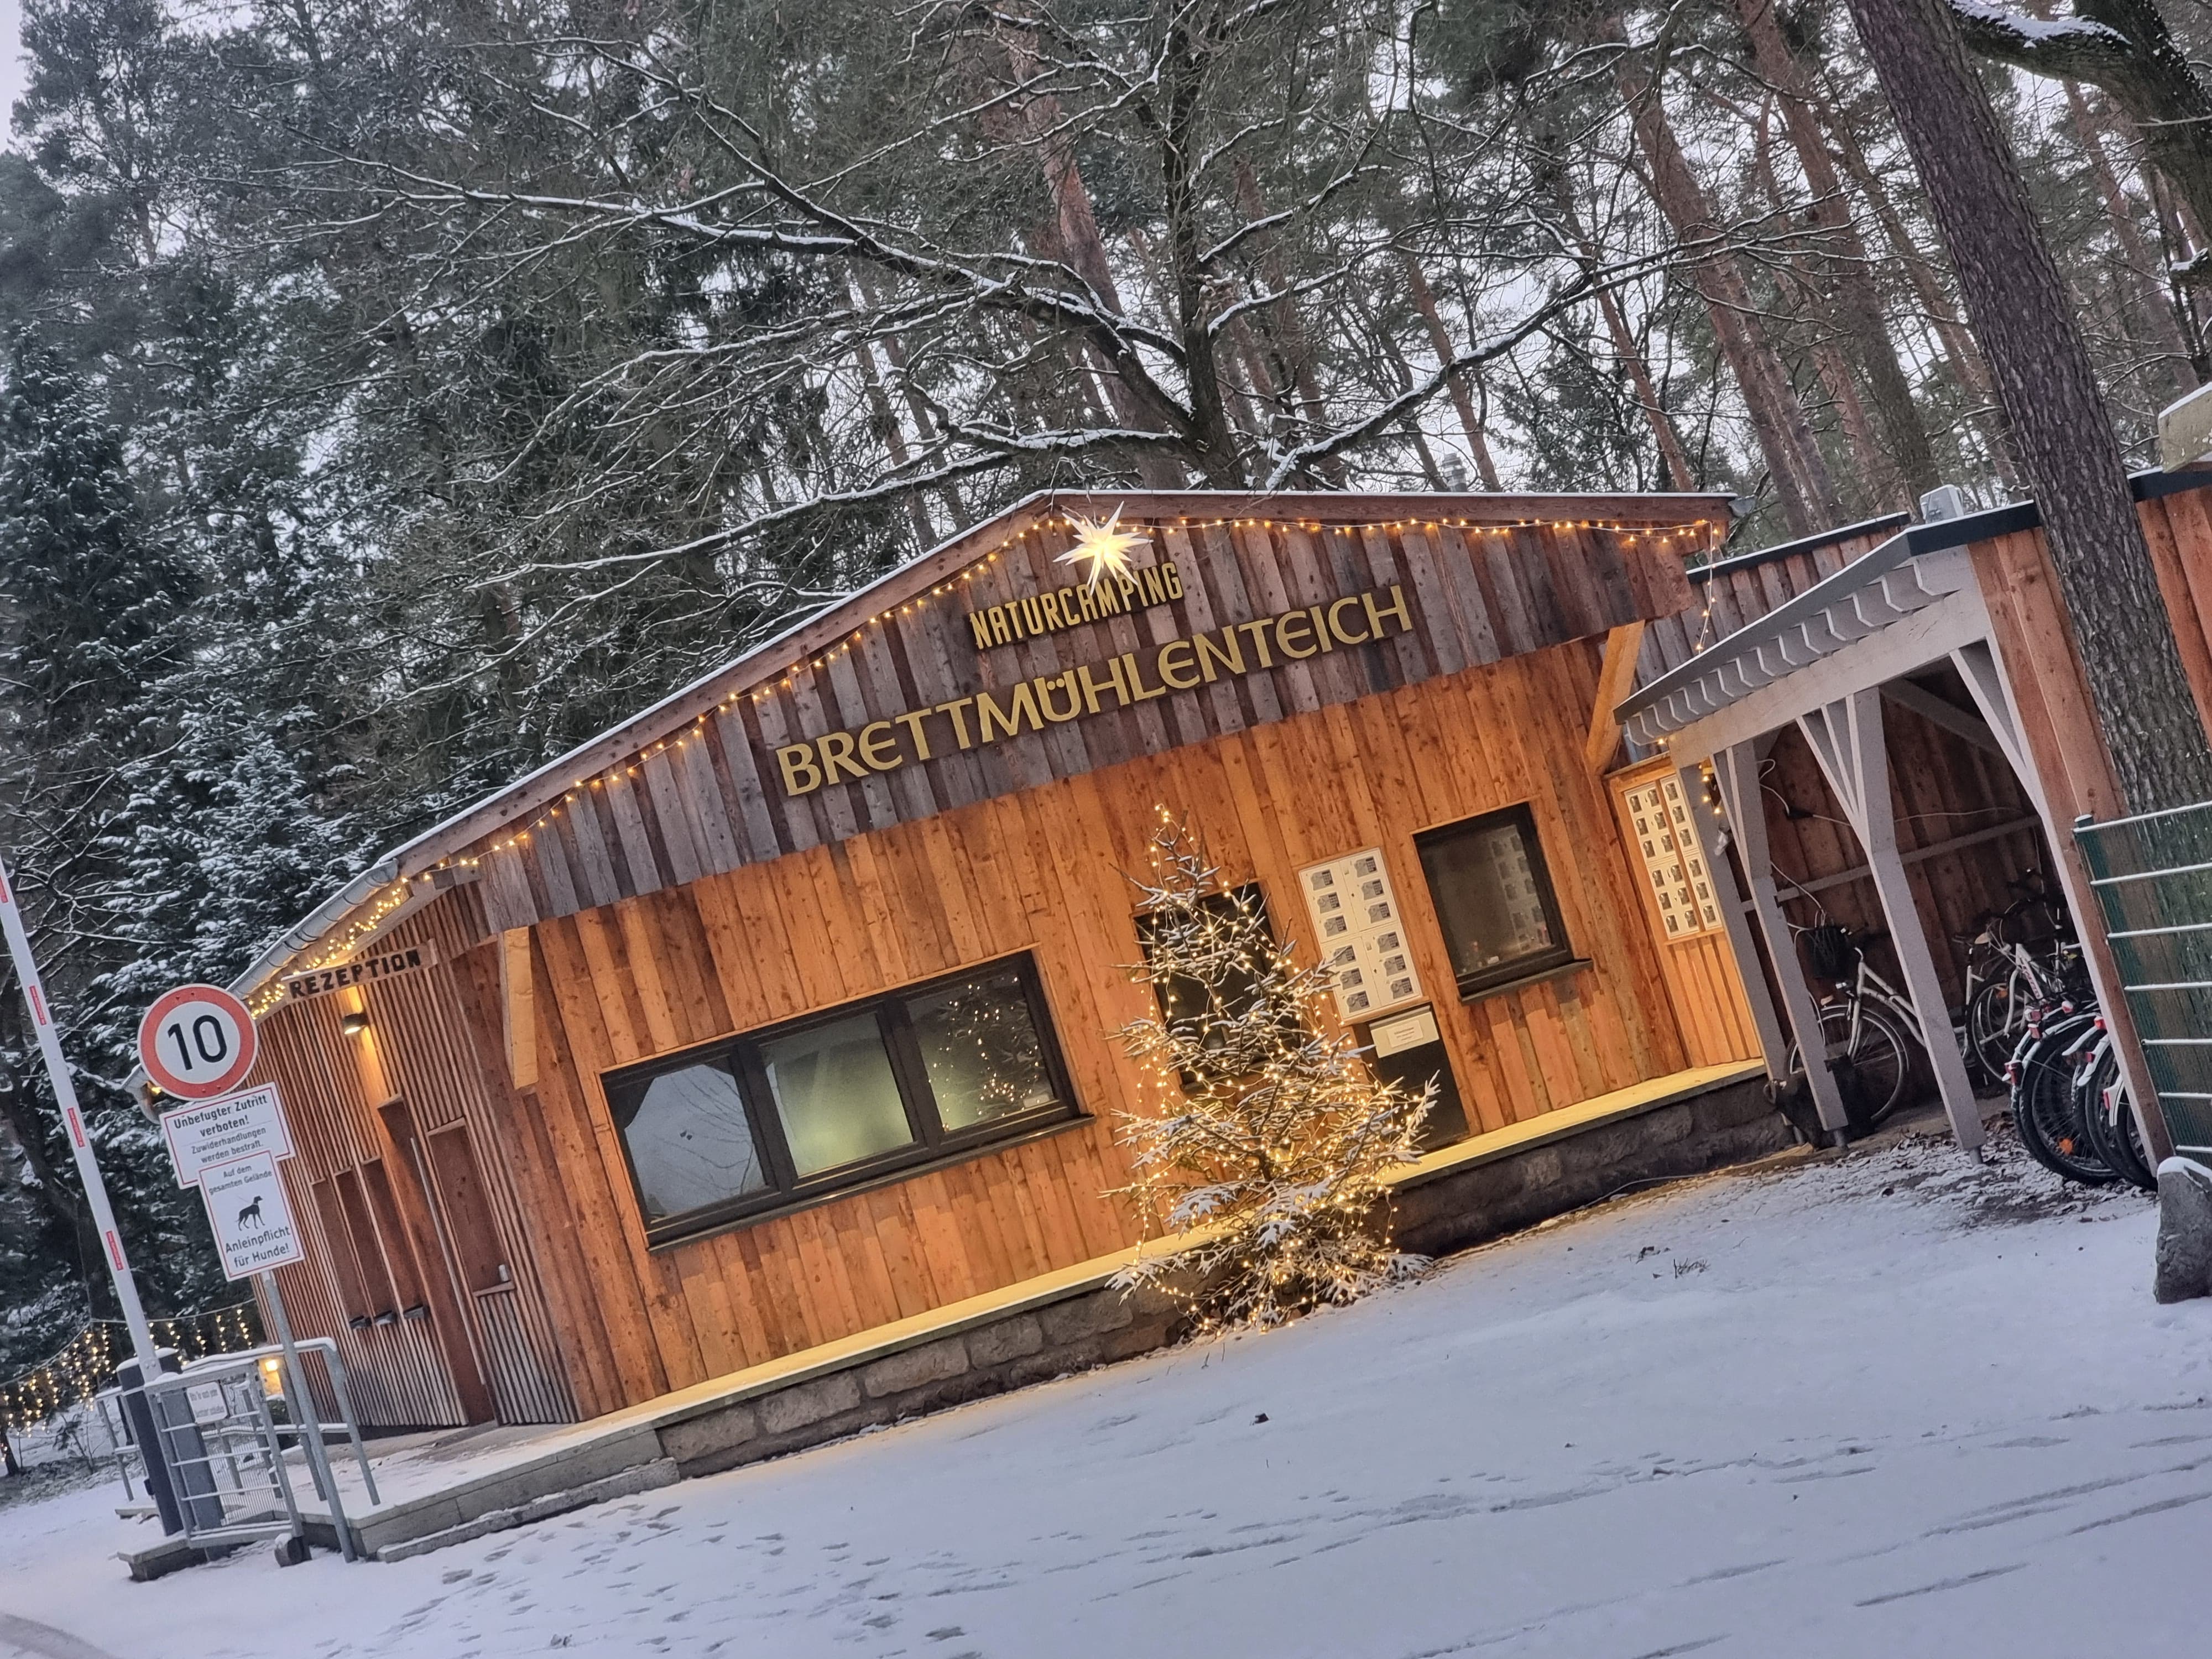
x=1505 y=974
x=931 y=1146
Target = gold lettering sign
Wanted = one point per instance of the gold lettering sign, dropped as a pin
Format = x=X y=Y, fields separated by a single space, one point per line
x=1132 y=678
x=1073 y=607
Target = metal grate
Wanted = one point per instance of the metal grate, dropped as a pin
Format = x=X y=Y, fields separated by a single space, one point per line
x=2153 y=875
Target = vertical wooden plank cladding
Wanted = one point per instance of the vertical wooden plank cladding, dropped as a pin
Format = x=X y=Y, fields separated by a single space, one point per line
x=2179 y=531
x=2026 y=615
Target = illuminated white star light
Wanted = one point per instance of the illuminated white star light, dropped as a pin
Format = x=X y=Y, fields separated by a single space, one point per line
x=1105 y=547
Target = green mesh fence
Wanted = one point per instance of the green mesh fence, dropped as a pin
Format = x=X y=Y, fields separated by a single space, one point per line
x=2153 y=875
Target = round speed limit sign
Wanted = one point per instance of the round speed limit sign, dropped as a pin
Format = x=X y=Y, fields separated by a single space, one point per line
x=196 y=1042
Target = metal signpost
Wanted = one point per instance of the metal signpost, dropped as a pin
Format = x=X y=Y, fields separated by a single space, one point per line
x=149 y=1364
x=229 y=1149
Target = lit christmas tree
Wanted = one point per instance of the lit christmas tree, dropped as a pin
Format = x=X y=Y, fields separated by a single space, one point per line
x=1265 y=1161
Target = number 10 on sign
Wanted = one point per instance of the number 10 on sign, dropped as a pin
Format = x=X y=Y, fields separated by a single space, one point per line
x=196 y=1041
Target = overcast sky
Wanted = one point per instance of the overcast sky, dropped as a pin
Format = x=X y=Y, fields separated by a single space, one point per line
x=11 y=71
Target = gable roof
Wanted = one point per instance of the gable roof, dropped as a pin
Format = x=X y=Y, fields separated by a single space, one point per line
x=687 y=787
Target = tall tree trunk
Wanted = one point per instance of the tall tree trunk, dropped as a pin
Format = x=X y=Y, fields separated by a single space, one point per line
x=1282 y=330
x=887 y=422
x=1785 y=436
x=1855 y=302
x=1877 y=476
x=2155 y=311
x=1961 y=352
x=2048 y=388
x=2177 y=248
x=1681 y=474
x=1440 y=341
x=1402 y=372
x=1072 y=232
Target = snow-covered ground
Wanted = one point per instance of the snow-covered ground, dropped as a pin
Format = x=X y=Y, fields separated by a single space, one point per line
x=1894 y=1406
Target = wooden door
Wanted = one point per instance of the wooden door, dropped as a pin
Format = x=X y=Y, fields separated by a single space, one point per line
x=479 y=1281
x=449 y=1306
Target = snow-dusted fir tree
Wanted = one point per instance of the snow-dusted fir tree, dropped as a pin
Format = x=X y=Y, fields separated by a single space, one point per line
x=1265 y=1157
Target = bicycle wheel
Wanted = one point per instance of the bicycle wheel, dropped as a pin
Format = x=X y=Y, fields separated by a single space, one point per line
x=1872 y=1070
x=1994 y=1020
x=2044 y=1109
x=2113 y=1135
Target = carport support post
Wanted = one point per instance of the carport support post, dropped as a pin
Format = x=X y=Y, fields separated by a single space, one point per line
x=1846 y=739
x=1737 y=767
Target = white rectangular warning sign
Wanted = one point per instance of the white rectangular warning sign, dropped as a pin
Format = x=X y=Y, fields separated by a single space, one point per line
x=224 y=1131
x=251 y=1216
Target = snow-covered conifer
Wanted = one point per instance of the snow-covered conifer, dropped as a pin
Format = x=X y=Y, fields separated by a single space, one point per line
x=1265 y=1158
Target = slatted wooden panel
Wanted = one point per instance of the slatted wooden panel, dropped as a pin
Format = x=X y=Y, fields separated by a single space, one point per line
x=1476 y=595
x=1039 y=871
x=450 y=1075
x=399 y=1377
x=419 y=1048
x=2180 y=530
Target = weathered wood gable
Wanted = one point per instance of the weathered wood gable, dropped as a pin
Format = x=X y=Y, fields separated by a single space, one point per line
x=1461 y=580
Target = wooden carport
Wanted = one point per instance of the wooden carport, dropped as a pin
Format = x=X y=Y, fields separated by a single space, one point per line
x=1974 y=593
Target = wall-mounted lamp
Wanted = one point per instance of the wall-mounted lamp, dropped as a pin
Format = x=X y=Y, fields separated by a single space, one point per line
x=353 y=1025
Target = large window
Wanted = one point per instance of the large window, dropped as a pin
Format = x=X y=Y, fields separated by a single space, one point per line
x=785 y=1116
x=1493 y=896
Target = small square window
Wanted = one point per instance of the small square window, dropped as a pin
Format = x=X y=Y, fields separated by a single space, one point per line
x=1493 y=897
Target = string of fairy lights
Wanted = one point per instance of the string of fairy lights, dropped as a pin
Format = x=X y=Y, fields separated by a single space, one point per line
x=1697 y=537
x=87 y=1361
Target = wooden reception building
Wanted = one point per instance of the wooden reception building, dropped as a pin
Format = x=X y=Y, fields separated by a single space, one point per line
x=781 y=1012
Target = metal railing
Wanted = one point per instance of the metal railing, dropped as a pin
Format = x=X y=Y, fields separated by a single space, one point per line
x=225 y=1442
x=219 y=1442
x=2152 y=874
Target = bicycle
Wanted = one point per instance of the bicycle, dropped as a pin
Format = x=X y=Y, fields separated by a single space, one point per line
x=2007 y=973
x=1868 y=1026
x=2047 y=1107
x=2108 y=1113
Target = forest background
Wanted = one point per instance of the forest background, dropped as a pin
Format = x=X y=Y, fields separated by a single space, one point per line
x=394 y=394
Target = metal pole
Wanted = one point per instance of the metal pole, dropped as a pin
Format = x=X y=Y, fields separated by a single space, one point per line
x=88 y=1164
x=307 y=1416
x=149 y=1366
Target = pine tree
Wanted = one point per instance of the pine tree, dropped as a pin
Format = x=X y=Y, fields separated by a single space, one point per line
x=90 y=604
x=1266 y=1159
